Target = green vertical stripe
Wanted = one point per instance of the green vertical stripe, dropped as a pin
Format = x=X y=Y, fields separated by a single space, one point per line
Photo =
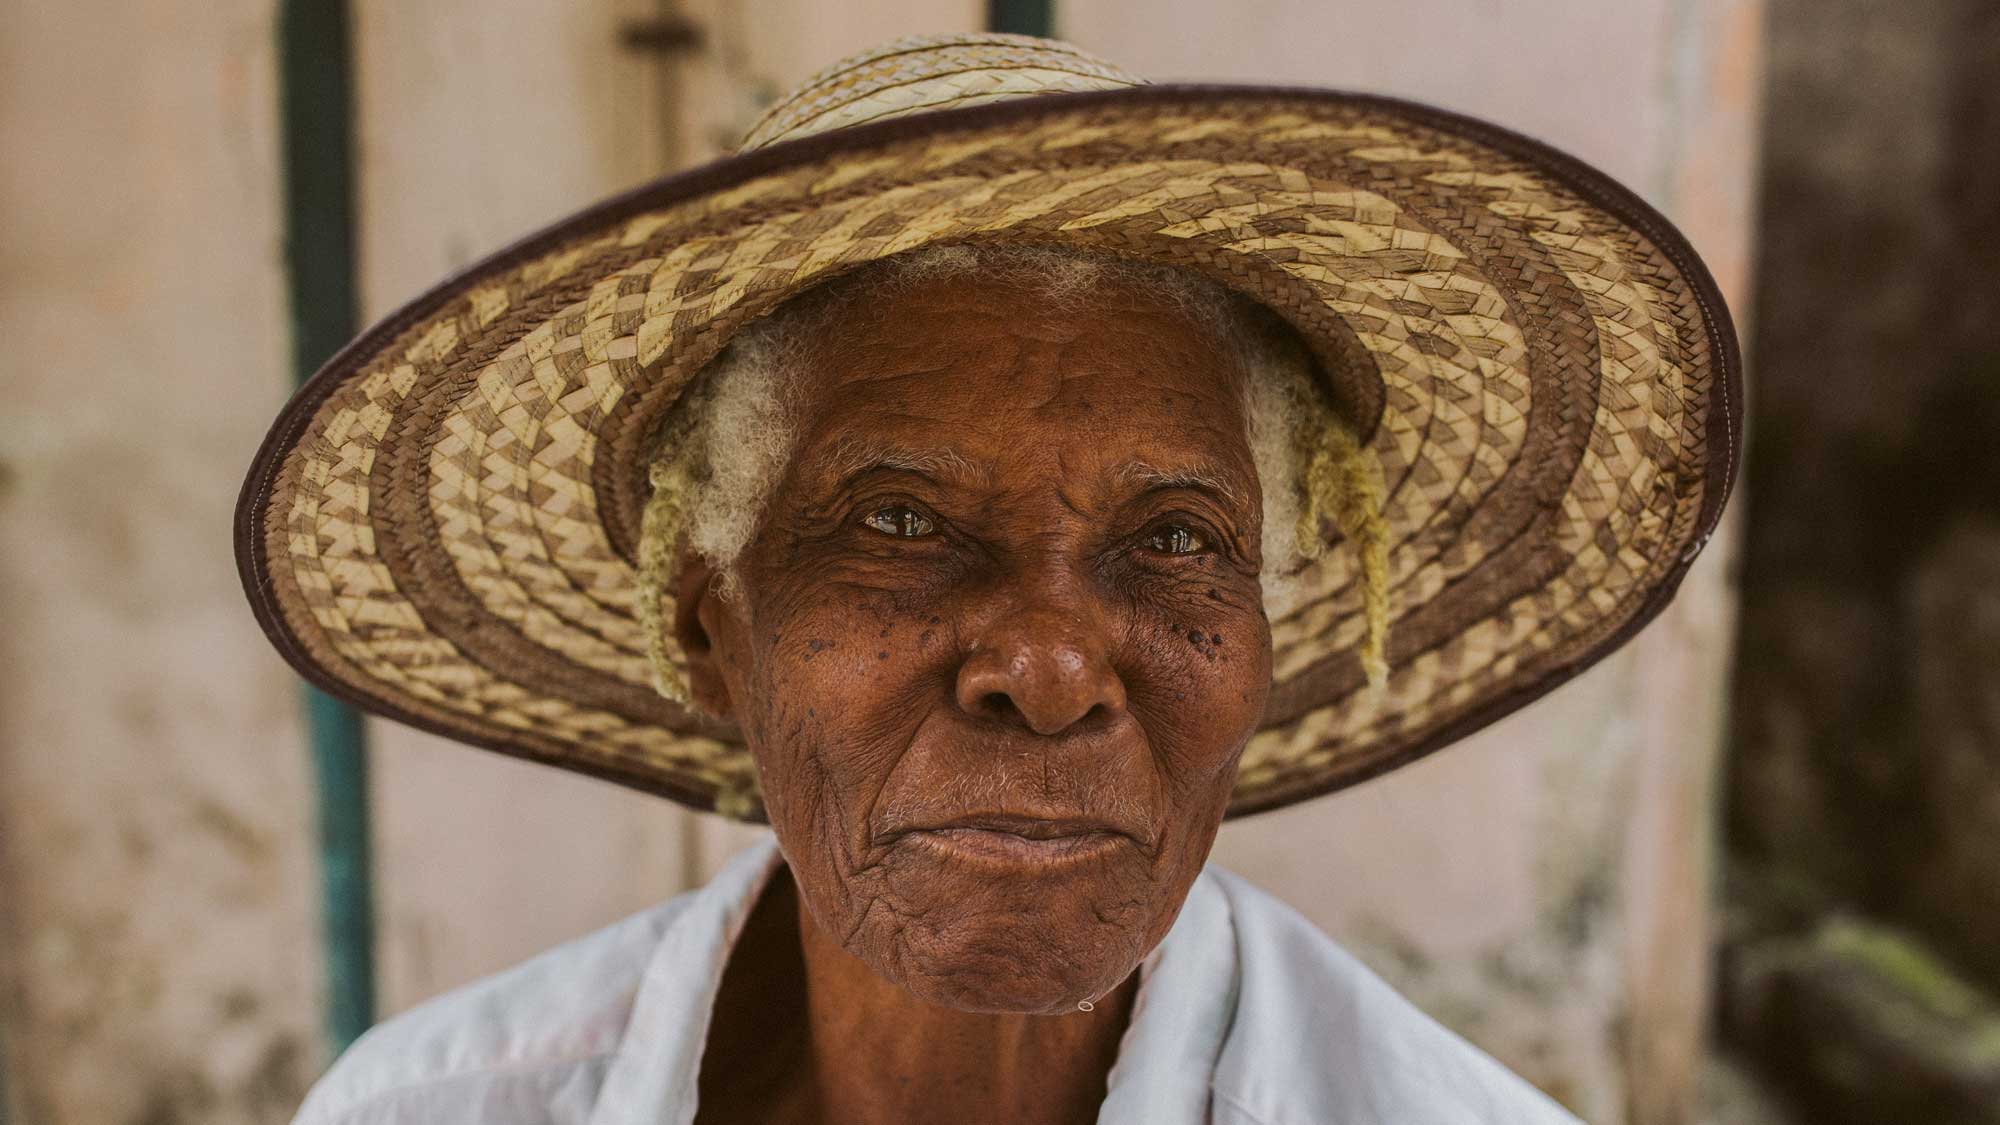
x=1022 y=17
x=340 y=770
x=314 y=76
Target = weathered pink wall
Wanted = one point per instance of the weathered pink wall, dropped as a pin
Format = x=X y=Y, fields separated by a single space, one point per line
x=159 y=899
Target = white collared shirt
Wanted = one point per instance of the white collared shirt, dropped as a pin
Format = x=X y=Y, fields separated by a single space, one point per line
x=1245 y=1015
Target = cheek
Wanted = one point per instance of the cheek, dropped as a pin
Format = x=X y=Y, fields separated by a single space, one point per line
x=855 y=660
x=839 y=682
x=1201 y=674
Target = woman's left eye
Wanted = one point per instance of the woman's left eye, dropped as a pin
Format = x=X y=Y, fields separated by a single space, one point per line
x=899 y=521
x=1177 y=539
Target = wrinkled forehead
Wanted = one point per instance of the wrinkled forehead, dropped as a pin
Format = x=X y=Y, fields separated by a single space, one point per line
x=985 y=380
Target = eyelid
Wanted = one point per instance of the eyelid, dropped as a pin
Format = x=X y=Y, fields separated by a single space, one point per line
x=875 y=502
x=1166 y=521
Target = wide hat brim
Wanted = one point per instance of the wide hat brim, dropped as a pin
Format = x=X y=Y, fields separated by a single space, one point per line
x=441 y=526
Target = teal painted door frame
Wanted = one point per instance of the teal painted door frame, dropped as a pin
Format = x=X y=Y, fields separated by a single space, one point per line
x=1022 y=17
x=315 y=72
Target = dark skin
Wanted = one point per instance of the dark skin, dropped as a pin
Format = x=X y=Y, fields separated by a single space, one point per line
x=1010 y=572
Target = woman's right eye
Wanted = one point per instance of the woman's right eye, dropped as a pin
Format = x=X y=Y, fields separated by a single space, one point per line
x=899 y=521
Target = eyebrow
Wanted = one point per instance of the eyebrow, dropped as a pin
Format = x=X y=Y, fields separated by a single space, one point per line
x=1197 y=479
x=852 y=457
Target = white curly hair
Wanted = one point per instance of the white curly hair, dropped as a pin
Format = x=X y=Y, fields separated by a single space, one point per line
x=726 y=447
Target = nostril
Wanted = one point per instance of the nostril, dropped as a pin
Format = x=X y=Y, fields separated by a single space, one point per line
x=1040 y=686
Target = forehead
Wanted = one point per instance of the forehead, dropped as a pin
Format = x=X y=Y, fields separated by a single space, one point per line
x=1005 y=375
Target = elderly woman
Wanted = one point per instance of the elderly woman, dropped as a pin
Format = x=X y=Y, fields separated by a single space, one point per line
x=993 y=499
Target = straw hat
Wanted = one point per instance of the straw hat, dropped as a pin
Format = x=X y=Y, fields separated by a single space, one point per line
x=441 y=526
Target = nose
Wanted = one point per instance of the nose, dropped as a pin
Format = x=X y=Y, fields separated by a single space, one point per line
x=1046 y=667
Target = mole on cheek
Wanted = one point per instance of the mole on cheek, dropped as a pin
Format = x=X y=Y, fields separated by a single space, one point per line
x=1208 y=644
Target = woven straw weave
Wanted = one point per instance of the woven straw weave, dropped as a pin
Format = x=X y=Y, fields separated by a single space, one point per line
x=442 y=526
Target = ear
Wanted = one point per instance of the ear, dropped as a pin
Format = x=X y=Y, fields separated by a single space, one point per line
x=698 y=615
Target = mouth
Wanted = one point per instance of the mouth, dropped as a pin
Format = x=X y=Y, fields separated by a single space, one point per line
x=1009 y=839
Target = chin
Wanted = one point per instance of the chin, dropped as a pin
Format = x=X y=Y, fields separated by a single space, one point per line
x=1021 y=945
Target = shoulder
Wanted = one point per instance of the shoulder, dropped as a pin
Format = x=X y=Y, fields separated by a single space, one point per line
x=529 y=1044
x=1319 y=1037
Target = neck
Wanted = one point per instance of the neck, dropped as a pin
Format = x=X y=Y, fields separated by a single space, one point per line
x=868 y=1051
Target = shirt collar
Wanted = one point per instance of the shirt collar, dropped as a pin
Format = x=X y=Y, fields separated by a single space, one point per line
x=1166 y=1060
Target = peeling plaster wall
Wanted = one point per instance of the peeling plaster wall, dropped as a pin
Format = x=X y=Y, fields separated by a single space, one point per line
x=157 y=897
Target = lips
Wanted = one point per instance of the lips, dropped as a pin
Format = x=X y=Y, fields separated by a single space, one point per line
x=986 y=845
x=1013 y=838
x=1030 y=827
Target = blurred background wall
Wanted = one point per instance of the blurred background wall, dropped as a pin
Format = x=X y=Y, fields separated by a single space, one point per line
x=1544 y=887
x=157 y=884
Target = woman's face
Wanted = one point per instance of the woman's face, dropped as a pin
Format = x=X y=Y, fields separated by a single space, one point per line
x=1000 y=639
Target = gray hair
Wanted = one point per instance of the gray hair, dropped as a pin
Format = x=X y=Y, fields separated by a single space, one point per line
x=728 y=445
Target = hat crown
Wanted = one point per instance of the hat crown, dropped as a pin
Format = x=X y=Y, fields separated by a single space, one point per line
x=923 y=73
